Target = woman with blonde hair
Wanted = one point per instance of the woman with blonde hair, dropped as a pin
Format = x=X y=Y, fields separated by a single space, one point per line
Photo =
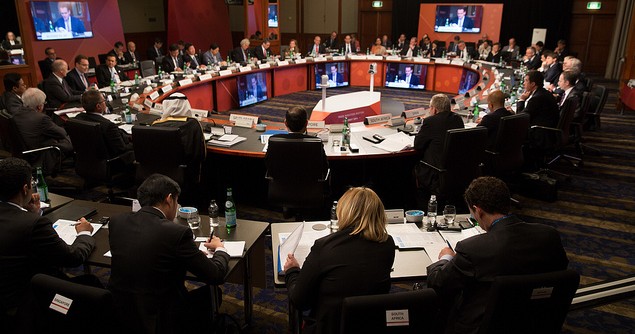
x=354 y=261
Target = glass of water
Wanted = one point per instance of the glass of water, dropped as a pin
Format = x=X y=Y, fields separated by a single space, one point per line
x=194 y=221
x=449 y=212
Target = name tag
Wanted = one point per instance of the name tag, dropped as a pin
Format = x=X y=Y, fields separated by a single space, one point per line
x=475 y=67
x=154 y=95
x=137 y=106
x=166 y=88
x=148 y=82
x=243 y=120
x=457 y=62
x=422 y=60
x=148 y=103
x=339 y=58
x=374 y=57
x=319 y=59
x=414 y=113
x=283 y=63
x=397 y=318
x=205 y=77
x=244 y=69
x=264 y=65
x=442 y=61
x=225 y=72
x=300 y=61
x=383 y=118
x=393 y=58
x=185 y=82
x=316 y=124
x=61 y=304
x=357 y=57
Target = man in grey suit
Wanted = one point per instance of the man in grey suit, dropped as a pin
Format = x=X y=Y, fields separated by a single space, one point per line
x=57 y=89
x=213 y=57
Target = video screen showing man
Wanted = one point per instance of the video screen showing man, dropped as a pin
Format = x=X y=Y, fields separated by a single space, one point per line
x=67 y=22
x=252 y=89
x=461 y=20
x=405 y=76
x=458 y=19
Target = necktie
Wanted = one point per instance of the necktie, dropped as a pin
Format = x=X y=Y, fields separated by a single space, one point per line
x=68 y=25
x=461 y=22
x=158 y=52
x=316 y=50
x=66 y=88
x=348 y=48
x=244 y=55
x=408 y=79
x=175 y=63
x=194 y=61
x=134 y=59
x=81 y=75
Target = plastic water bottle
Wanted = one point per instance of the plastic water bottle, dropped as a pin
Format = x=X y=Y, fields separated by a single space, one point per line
x=212 y=211
x=42 y=187
x=136 y=79
x=127 y=114
x=334 y=226
x=346 y=134
x=474 y=119
x=230 y=210
x=112 y=86
x=432 y=210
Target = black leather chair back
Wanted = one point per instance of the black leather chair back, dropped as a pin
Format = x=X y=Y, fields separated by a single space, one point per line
x=507 y=153
x=462 y=159
x=566 y=117
x=158 y=150
x=4 y=130
x=147 y=68
x=102 y=58
x=91 y=62
x=91 y=308
x=295 y=168
x=529 y=303
x=91 y=153
x=367 y=314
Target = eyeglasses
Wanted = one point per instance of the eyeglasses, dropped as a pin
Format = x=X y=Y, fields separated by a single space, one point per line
x=33 y=182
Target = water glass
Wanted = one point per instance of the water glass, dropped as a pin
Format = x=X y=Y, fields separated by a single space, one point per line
x=449 y=211
x=194 y=220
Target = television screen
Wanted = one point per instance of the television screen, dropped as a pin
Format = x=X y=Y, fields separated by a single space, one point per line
x=458 y=18
x=338 y=74
x=272 y=16
x=252 y=88
x=469 y=79
x=60 y=20
x=408 y=76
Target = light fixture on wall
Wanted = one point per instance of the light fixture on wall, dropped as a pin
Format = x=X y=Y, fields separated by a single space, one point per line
x=593 y=5
x=377 y=4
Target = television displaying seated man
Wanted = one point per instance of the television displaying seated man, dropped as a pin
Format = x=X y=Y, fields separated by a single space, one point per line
x=68 y=22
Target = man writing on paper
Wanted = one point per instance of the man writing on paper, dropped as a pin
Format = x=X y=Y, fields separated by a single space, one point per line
x=28 y=243
x=150 y=256
x=510 y=247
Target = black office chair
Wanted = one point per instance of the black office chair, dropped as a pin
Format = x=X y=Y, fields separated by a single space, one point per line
x=158 y=150
x=91 y=308
x=102 y=58
x=527 y=304
x=295 y=173
x=460 y=163
x=91 y=62
x=599 y=95
x=45 y=69
x=47 y=157
x=91 y=155
x=507 y=154
x=369 y=314
x=147 y=68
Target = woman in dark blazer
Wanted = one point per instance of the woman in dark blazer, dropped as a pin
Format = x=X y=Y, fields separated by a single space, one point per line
x=354 y=261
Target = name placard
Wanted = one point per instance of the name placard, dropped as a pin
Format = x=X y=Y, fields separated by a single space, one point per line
x=457 y=62
x=137 y=107
x=397 y=121
x=185 y=82
x=397 y=318
x=205 y=77
x=158 y=106
x=225 y=72
x=154 y=95
x=337 y=58
x=475 y=67
x=166 y=88
x=264 y=65
x=148 y=103
x=148 y=82
x=244 y=69
x=422 y=60
x=481 y=85
x=61 y=304
x=316 y=124
x=300 y=61
x=394 y=215
x=393 y=57
x=383 y=118
x=357 y=57
x=414 y=113
x=283 y=62
x=442 y=61
x=243 y=120
x=319 y=59
x=374 y=57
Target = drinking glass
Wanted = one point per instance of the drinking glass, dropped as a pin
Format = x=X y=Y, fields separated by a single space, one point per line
x=194 y=220
x=449 y=211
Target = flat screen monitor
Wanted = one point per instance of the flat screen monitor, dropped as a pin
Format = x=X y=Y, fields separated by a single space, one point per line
x=252 y=88
x=458 y=19
x=338 y=74
x=406 y=76
x=272 y=21
x=60 y=20
x=469 y=79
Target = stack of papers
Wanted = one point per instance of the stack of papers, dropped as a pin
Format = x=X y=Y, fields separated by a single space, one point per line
x=127 y=128
x=396 y=142
x=74 y=111
x=66 y=230
x=409 y=236
x=298 y=243
x=226 y=140
x=234 y=248
x=454 y=237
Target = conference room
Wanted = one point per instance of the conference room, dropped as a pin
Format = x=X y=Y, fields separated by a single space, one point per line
x=580 y=188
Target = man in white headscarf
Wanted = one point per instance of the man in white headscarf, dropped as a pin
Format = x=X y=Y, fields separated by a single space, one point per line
x=177 y=113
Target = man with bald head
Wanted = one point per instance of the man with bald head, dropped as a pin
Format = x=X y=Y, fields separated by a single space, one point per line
x=57 y=89
x=496 y=107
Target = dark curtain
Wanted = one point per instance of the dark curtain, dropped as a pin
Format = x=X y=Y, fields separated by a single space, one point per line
x=519 y=19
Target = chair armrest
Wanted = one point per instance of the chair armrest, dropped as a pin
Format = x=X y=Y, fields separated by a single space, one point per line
x=492 y=152
x=36 y=150
x=545 y=128
x=267 y=176
x=433 y=167
x=326 y=177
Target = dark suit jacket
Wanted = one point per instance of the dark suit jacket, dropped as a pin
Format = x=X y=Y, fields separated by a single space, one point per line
x=237 y=55
x=37 y=130
x=46 y=69
x=321 y=48
x=29 y=245
x=168 y=63
x=552 y=74
x=194 y=61
x=120 y=61
x=511 y=247
x=430 y=142
x=292 y=135
x=58 y=93
x=150 y=256
x=415 y=51
x=260 y=54
x=414 y=79
x=331 y=44
x=491 y=121
x=339 y=266
x=11 y=102
x=534 y=63
x=542 y=108
x=74 y=81
x=494 y=58
x=117 y=141
x=152 y=54
x=130 y=59
x=468 y=23
x=76 y=24
x=104 y=77
x=209 y=58
x=573 y=100
x=401 y=45
x=338 y=77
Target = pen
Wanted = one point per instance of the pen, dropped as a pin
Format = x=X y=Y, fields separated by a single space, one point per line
x=211 y=234
x=450 y=246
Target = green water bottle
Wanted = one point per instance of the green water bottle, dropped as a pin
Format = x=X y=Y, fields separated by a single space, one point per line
x=230 y=210
x=136 y=79
x=42 y=188
x=112 y=86
x=476 y=113
x=346 y=134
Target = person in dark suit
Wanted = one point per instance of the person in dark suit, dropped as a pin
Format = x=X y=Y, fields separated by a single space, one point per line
x=553 y=70
x=190 y=57
x=296 y=121
x=435 y=50
x=542 y=109
x=76 y=78
x=430 y=140
x=454 y=45
x=335 y=76
x=462 y=20
x=68 y=22
x=254 y=89
x=531 y=60
x=316 y=48
x=412 y=50
x=14 y=87
x=510 y=247
x=28 y=243
x=109 y=72
x=10 y=42
x=177 y=112
x=117 y=51
x=155 y=50
x=242 y=54
x=262 y=52
x=150 y=256
x=401 y=43
x=57 y=89
x=47 y=63
x=332 y=42
x=354 y=261
x=173 y=61
x=385 y=42
x=38 y=130
x=409 y=77
x=495 y=55
x=496 y=105
x=571 y=96
x=131 y=55
x=117 y=141
x=561 y=51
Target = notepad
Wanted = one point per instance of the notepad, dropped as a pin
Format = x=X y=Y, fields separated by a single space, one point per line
x=234 y=249
x=66 y=230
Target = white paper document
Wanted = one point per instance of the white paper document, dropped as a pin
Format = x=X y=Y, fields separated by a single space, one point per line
x=454 y=237
x=299 y=242
x=234 y=248
x=127 y=128
x=216 y=142
x=66 y=230
x=396 y=142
